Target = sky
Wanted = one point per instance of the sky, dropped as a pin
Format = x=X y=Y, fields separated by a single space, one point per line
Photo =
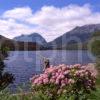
x=49 y=18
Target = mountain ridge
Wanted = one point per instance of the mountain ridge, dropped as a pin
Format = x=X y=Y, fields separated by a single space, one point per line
x=69 y=40
x=80 y=34
x=34 y=37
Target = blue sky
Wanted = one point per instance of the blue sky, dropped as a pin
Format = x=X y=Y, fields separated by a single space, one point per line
x=50 y=18
x=37 y=4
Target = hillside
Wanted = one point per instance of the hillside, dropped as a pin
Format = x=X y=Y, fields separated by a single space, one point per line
x=80 y=35
x=18 y=45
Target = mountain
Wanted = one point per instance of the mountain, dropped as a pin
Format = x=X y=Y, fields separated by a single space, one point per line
x=79 y=35
x=35 y=37
x=18 y=45
x=69 y=40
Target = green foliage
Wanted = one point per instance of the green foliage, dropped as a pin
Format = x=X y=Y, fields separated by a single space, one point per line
x=5 y=95
x=21 y=95
x=96 y=34
x=96 y=44
x=4 y=52
x=81 y=95
x=96 y=48
x=5 y=77
x=96 y=52
x=95 y=95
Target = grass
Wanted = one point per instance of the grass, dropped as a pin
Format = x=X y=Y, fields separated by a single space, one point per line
x=23 y=96
x=96 y=95
x=30 y=96
x=5 y=95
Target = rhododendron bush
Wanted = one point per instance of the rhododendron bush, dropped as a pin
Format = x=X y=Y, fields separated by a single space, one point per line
x=71 y=81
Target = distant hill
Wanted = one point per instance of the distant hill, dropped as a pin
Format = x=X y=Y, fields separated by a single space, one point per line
x=18 y=45
x=70 y=39
x=34 y=37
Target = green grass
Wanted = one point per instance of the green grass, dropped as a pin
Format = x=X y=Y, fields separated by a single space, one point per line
x=8 y=96
x=5 y=95
x=96 y=94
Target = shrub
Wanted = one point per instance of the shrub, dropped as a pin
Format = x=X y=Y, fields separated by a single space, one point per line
x=74 y=82
x=95 y=47
x=5 y=77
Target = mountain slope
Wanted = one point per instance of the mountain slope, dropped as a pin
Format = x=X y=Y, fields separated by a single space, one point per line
x=35 y=37
x=77 y=35
x=18 y=45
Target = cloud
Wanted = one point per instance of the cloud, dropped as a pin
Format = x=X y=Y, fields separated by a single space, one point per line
x=18 y=13
x=49 y=21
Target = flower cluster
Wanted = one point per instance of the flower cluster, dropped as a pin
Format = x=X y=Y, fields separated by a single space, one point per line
x=64 y=79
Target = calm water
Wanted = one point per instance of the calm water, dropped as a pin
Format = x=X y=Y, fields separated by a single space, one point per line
x=24 y=64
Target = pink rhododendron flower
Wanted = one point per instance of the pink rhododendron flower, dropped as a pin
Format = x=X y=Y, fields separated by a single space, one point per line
x=45 y=81
x=52 y=80
x=59 y=78
x=62 y=85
